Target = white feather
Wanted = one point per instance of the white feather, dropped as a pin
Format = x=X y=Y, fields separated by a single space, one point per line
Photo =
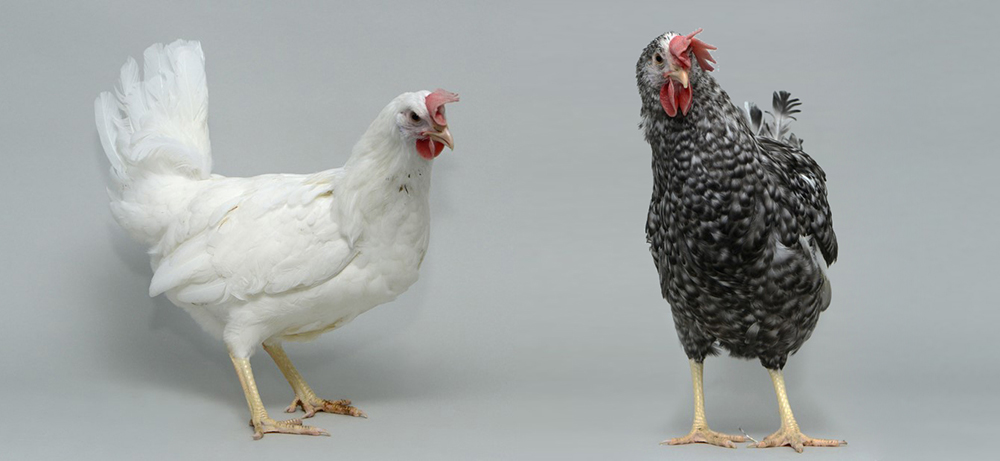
x=809 y=180
x=108 y=125
x=268 y=257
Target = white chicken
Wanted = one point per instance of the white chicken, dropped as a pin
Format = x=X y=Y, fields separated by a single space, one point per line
x=276 y=257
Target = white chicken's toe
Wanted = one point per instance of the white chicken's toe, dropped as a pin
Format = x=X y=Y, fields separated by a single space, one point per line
x=313 y=405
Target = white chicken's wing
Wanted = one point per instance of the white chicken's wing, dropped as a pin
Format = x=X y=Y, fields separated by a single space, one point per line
x=280 y=234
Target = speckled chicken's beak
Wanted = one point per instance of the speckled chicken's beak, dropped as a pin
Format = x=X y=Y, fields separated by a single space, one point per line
x=442 y=135
x=678 y=74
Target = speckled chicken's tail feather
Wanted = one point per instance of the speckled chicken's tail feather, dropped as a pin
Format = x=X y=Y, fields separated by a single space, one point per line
x=784 y=107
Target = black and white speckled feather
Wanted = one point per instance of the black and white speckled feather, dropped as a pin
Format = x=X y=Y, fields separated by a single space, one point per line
x=739 y=226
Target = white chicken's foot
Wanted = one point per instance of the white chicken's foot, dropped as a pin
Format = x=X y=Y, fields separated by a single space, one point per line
x=790 y=435
x=304 y=395
x=700 y=433
x=268 y=425
x=314 y=404
x=261 y=422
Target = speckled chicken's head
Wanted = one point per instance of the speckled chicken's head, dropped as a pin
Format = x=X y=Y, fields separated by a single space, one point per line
x=421 y=120
x=666 y=70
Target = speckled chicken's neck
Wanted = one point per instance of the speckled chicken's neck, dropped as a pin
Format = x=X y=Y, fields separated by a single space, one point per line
x=705 y=134
x=707 y=185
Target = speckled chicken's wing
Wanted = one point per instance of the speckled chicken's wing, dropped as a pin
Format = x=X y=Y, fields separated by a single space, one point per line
x=804 y=189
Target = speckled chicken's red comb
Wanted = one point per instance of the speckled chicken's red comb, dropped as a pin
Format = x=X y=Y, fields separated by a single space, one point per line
x=435 y=105
x=680 y=45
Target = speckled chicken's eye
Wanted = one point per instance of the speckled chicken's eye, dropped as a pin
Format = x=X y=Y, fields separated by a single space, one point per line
x=414 y=117
x=658 y=58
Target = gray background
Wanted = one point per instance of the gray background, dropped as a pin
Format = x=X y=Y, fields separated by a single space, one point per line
x=537 y=330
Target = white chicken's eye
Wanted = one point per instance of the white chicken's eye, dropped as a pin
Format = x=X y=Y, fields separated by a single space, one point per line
x=658 y=58
x=414 y=117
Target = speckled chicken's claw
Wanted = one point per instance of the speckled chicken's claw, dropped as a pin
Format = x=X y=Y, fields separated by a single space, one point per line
x=789 y=434
x=796 y=439
x=706 y=435
x=312 y=405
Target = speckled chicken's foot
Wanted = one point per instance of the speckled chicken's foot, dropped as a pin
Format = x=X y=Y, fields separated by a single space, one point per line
x=700 y=433
x=787 y=437
x=790 y=435
x=261 y=422
x=706 y=435
x=304 y=395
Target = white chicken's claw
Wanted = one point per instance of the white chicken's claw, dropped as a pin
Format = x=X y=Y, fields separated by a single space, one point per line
x=305 y=397
x=261 y=422
x=314 y=404
x=291 y=426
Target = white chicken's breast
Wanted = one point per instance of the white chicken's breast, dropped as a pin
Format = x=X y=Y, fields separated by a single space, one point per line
x=267 y=256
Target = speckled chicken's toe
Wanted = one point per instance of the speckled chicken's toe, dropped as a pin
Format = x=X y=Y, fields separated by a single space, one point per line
x=269 y=425
x=795 y=439
x=315 y=404
x=706 y=435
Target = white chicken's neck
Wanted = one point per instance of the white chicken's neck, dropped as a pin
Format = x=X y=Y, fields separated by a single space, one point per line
x=387 y=180
x=382 y=157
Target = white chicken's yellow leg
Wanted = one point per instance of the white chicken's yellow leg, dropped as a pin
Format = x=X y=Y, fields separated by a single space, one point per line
x=790 y=434
x=304 y=395
x=700 y=433
x=262 y=423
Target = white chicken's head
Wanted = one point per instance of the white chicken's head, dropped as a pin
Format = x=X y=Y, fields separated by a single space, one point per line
x=421 y=120
x=666 y=71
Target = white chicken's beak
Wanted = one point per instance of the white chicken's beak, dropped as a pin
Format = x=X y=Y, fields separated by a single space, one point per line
x=442 y=135
x=678 y=74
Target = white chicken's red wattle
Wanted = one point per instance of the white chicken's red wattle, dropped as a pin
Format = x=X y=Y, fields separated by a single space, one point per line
x=429 y=149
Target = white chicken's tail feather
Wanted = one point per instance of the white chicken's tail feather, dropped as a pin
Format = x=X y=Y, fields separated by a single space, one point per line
x=157 y=125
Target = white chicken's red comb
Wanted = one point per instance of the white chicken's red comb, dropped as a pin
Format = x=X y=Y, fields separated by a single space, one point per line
x=435 y=105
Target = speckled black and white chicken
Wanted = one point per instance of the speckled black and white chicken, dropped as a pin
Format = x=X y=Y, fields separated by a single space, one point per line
x=271 y=258
x=739 y=226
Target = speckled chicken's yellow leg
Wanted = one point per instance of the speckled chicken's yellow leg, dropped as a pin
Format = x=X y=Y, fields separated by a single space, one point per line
x=261 y=422
x=700 y=433
x=304 y=395
x=790 y=434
